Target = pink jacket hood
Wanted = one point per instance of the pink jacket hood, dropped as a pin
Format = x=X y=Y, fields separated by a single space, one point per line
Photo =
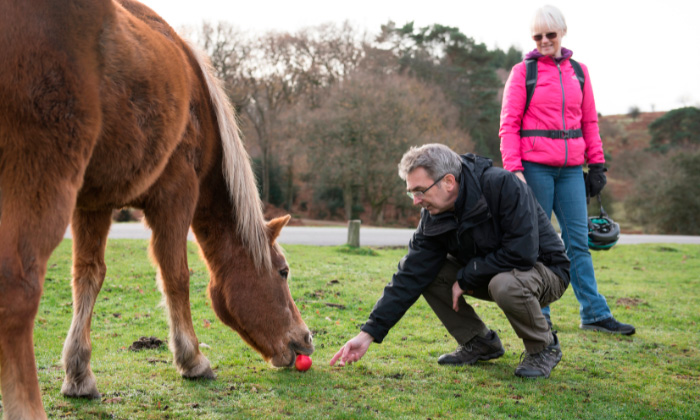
x=557 y=104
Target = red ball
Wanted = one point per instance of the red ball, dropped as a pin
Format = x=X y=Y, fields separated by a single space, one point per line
x=303 y=363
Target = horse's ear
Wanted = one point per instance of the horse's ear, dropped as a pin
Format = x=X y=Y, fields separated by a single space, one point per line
x=275 y=226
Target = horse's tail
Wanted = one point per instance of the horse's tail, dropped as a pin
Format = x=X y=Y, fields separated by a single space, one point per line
x=237 y=170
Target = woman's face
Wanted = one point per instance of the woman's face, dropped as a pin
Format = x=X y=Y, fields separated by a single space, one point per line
x=548 y=42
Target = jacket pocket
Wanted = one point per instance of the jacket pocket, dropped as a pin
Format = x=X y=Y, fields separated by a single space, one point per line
x=577 y=151
x=485 y=239
x=527 y=144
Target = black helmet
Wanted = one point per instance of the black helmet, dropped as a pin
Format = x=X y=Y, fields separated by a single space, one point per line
x=603 y=232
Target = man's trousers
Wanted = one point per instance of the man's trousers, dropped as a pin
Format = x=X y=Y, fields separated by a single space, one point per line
x=520 y=294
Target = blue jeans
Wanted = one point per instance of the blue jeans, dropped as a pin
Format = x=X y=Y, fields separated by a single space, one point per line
x=563 y=190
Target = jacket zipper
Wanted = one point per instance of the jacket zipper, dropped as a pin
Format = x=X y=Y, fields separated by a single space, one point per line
x=563 y=114
x=459 y=243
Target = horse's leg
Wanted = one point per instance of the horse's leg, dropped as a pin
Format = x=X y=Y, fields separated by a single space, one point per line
x=35 y=214
x=169 y=215
x=90 y=230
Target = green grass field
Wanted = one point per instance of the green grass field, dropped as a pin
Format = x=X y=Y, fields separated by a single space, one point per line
x=653 y=374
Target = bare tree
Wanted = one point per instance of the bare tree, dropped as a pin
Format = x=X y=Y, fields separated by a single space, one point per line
x=267 y=76
x=358 y=136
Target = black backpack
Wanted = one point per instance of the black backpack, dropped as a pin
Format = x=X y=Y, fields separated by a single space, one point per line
x=531 y=78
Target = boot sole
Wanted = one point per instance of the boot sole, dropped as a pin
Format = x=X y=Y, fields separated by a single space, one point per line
x=605 y=330
x=483 y=357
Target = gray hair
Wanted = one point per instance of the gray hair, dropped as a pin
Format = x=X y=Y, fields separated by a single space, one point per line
x=437 y=159
x=548 y=18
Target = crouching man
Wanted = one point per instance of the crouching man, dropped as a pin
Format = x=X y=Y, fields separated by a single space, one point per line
x=482 y=234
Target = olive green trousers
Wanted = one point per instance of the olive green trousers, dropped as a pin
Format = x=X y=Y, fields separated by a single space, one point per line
x=520 y=295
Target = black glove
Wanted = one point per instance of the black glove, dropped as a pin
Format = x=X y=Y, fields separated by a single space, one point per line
x=596 y=179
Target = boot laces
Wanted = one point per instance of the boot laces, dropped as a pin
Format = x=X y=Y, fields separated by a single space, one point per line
x=538 y=360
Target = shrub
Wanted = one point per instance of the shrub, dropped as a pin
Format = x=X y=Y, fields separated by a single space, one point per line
x=668 y=200
x=677 y=128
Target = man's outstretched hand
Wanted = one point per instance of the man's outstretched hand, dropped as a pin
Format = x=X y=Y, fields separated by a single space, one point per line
x=353 y=350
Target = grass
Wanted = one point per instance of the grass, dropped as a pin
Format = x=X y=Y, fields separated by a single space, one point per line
x=654 y=374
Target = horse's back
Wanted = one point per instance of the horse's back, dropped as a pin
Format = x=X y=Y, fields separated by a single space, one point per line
x=49 y=83
x=108 y=88
x=108 y=83
x=146 y=86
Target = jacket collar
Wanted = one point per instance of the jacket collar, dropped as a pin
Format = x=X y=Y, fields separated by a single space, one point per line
x=470 y=206
x=565 y=54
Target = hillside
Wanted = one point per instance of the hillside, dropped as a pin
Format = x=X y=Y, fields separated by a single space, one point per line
x=625 y=140
x=621 y=133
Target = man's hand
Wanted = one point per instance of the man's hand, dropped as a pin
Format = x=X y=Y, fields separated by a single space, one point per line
x=353 y=350
x=457 y=292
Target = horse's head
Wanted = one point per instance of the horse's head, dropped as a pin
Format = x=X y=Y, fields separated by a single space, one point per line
x=258 y=305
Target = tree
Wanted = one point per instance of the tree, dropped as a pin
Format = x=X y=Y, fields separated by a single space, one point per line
x=464 y=69
x=667 y=200
x=358 y=136
x=634 y=113
x=677 y=128
x=506 y=60
x=267 y=76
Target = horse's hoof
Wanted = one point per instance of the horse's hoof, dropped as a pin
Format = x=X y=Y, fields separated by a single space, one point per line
x=207 y=374
x=87 y=389
x=201 y=370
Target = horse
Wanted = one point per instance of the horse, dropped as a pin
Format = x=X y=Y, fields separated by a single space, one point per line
x=104 y=106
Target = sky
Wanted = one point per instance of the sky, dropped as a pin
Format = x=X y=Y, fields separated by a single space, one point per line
x=640 y=53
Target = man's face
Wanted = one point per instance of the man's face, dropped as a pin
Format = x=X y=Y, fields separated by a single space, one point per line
x=439 y=198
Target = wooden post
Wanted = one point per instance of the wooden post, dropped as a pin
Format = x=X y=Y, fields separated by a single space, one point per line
x=354 y=233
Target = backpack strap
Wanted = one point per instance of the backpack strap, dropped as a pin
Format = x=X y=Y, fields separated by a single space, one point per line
x=579 y=72
x=530 y=81
x=531 y=78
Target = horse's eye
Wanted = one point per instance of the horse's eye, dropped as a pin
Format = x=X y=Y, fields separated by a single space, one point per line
x=284 y=273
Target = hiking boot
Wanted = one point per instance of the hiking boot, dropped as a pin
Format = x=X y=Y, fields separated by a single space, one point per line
x=540 y=365
x=610 y=325
x=478 y=348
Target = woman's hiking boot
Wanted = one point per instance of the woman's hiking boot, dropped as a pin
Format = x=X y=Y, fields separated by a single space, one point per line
x=610 y=325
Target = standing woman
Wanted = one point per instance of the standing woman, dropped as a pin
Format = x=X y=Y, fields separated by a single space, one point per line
x=546 y=144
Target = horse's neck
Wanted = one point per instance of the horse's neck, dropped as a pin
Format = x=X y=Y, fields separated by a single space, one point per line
x=214 y=224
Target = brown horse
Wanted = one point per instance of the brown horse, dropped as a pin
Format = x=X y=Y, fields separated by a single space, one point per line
x=102 y=105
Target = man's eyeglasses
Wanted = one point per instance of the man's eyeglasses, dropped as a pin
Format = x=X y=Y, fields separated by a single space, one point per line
x=549 y=35
x=419 y=194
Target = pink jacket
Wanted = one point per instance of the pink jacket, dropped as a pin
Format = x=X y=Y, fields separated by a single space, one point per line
x=557 y=104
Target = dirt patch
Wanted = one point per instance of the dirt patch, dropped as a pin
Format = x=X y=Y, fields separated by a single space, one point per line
x=146 y=343
x=630 y=302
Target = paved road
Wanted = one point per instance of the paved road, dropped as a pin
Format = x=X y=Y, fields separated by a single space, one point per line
x=303 y=235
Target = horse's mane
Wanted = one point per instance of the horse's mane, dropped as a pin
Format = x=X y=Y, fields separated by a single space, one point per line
x=237 y=170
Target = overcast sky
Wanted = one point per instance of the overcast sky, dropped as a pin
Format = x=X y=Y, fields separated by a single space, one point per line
x=639 y=53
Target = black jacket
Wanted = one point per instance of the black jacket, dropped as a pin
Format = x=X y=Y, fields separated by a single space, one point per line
x=497 y=226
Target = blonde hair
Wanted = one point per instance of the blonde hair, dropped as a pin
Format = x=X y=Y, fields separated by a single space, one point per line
x=548 y=18
x=237 y=170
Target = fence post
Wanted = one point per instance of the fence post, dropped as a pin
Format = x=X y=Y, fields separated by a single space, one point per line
x=354 y=233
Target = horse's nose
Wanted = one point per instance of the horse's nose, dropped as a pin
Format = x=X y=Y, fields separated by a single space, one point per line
x=308 y=339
